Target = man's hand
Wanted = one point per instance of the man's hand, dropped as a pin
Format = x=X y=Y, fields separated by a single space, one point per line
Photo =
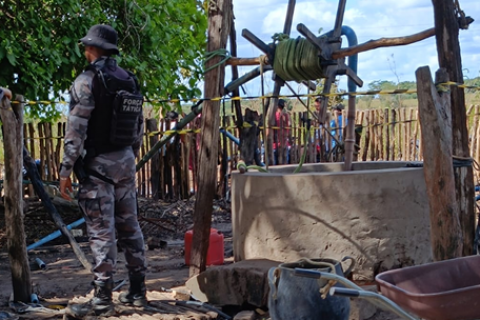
x=7 y=93
x=65 y=184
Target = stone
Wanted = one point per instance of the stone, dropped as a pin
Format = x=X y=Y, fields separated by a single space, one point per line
x=181 y=294
x=245 y=315
x=244 y=282
x=361 y=309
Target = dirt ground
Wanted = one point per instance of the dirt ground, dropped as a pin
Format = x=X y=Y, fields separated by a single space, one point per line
x=64 y=278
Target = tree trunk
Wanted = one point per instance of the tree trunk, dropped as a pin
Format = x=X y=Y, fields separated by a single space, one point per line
x=219 y=22
x=448 y=47
x=12 y=120
x=435 y=119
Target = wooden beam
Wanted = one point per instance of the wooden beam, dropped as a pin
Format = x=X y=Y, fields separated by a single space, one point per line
x=435 y=116
x=12 y=119
x=287 y=27
x=448 y=48
x=34 y=175
x=219 y=22
x=233 y=61
x=236 y=91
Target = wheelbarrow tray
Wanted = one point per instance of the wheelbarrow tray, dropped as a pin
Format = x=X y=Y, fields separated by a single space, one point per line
x=445 y=290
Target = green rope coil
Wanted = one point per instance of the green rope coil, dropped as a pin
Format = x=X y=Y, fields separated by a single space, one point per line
x=297 y=60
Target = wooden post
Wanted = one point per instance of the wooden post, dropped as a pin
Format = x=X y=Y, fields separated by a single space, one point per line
x=223 y=183
x=155 y=173
x=349 y=138
x=477 y=136
x=248 y=142
x=41 y=139
x=236 y=92
x=367 y=137
x=219 y=21
x=12 y=119
x=435 y=120
x=448 y=48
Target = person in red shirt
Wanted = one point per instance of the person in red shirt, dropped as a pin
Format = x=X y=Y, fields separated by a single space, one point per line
x=282 y=132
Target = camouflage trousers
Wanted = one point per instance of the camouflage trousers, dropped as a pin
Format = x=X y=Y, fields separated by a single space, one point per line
x=110 y=207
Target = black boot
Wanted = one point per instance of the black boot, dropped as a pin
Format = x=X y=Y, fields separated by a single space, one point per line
x=100 y=305
x=137 y=293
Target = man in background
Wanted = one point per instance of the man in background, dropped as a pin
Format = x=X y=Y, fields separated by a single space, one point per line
x=282 y=133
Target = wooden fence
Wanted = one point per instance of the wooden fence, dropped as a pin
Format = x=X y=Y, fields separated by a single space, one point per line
x=383 y=134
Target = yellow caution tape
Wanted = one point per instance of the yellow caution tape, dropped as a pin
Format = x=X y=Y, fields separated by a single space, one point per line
x=440 y=87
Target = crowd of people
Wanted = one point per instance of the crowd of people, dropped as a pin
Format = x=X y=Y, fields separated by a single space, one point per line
x=322 y=122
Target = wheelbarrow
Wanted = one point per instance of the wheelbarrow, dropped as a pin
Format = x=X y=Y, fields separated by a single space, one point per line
x=445 y=290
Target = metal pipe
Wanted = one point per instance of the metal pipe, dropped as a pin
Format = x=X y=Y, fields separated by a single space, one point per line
x=230 y=136
x=40 y=263
x=352 y=87
x=34 y=298
x=54 y=235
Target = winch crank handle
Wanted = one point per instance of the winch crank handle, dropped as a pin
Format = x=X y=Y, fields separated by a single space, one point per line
x=350 y=268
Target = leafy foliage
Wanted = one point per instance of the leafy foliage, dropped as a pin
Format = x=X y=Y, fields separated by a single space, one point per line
x=161 y=41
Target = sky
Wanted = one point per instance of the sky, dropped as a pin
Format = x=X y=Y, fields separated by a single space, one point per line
x=371 y=20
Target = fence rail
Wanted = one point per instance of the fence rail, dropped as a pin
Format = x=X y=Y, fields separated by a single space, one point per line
x=382 y=134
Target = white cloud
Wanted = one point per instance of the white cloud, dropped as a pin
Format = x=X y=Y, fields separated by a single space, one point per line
x=370 y=19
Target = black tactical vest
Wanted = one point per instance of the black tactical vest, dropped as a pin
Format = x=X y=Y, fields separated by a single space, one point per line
x=115 y=121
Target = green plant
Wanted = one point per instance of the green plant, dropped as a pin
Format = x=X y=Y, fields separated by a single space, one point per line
x=162 y=41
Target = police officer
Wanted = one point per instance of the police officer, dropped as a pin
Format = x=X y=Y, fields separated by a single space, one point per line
x=107 y=193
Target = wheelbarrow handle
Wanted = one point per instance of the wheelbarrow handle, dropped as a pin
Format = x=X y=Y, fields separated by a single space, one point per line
x=353 y=290
x=374 y=298
x=344 y=292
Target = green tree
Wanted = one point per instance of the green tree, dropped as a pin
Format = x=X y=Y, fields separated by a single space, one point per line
x=162 y=41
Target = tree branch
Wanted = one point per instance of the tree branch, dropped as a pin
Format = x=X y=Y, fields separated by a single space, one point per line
x=383 y=42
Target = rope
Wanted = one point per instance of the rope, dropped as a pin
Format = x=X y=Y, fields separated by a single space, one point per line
x=463 y=24
x=212 y=54
x=297 y=59
x=304 y=154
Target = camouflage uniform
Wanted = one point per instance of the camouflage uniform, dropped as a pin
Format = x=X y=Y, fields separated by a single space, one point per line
x=107 y=207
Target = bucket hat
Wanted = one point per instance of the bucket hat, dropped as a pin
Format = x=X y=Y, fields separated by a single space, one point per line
x=102 y=36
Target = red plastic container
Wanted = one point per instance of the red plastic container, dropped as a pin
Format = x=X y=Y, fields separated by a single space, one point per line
x=215 y=251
